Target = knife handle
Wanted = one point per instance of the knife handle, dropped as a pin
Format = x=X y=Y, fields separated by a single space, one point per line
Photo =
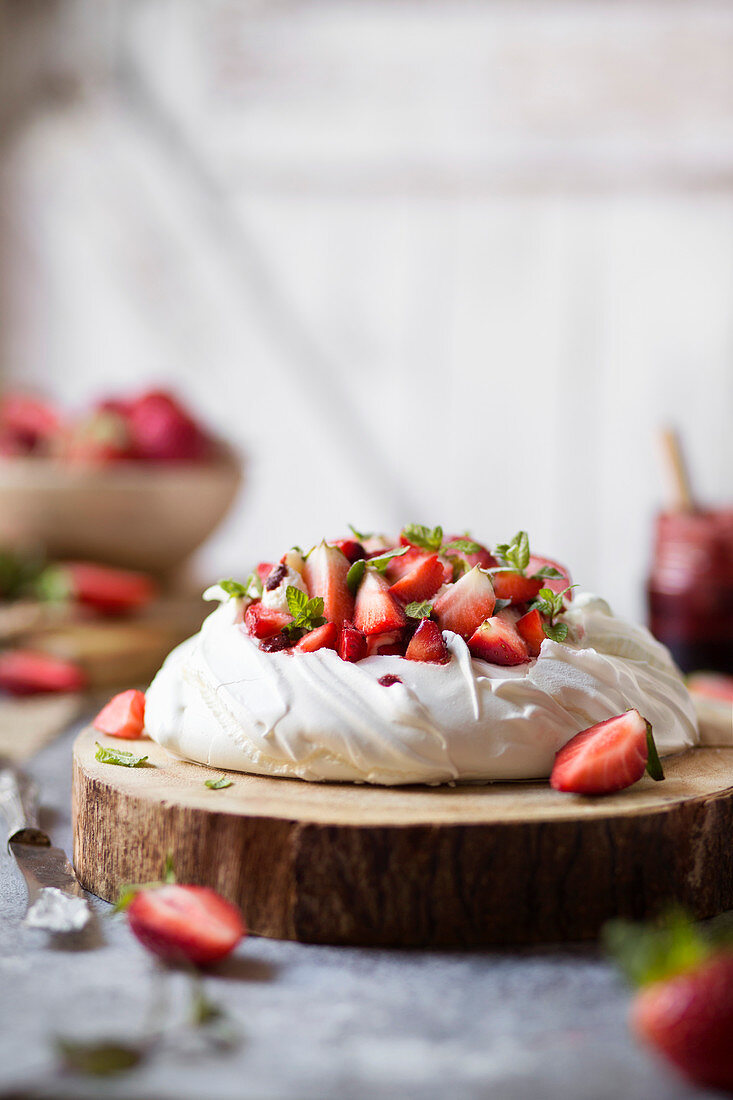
x=19 y=808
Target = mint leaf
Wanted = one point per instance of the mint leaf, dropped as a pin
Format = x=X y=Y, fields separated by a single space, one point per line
x=307 y=614
x=515 y=553
x=218 y=784
x=547 y=571
x=234 y=589
x=100 y=1058
x=460 y=566
x=557 y=632
x=653 y=763
x=427 y=538
x=419 y=610
x=355 y=576
x=54 y=584
x=118 y=756
x=381 y=562
x=464 y=546
x=360 y=536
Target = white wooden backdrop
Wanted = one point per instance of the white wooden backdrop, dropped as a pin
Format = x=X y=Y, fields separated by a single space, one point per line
x=439 y=261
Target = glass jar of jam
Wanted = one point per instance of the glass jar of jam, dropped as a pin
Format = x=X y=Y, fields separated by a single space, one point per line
x=690 y=588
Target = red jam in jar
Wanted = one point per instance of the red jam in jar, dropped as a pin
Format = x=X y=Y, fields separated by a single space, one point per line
x=690 y=588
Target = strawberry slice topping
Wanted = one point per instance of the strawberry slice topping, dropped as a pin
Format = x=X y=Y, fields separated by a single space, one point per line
x=123 y=716
x=352 y=645
x=427 y=644
x=530 y=628
x=265 y=622
x=264 y=569
x=509 y=585
x=109 y=591
x=422 y=581
x=377 y=611
x=28 y=672
x=498 y=642
x=607 y=757
x=465 y=605
x=325 y=575
x=323 y=637
x=185 y=923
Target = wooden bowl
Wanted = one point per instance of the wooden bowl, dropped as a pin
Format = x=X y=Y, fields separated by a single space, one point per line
x=149 y=517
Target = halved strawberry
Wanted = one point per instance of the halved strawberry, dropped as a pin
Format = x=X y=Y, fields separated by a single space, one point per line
x=323 y=637
x=28 y=672
x=325 y=575
x=466 y=603
x=263 y=569
x=427 y=644
x=109 y=591
x=557 y=584
x=509 y=585
x=530 y=628
x=265 y=622
x=123 y=716
x=352 y=645
x=606 y=757
x=377 y=610
x=421 y=582
x=388 y=644
x=498 y=642
x=404 y=563
x=350 y=548
x=185 y=923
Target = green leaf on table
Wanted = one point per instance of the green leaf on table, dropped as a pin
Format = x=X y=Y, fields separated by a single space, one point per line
x=118 y=756
x=218 y=784
x=99 y=1058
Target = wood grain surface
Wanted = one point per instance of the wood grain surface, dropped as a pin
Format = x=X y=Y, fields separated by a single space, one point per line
x=446 y=866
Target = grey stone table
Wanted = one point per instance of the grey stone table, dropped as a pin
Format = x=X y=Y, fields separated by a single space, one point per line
x=314 y=1023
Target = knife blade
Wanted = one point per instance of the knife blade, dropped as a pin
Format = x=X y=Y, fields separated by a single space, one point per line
x=56 y=901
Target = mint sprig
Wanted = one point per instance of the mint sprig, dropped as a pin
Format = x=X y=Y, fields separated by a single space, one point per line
x=551 y=604
x=515 y=554
x=355 y=575
x=307 y=614
x=99 y=1057
x=118 y=756
x=427 y=538
x=463 y=546
x=419 y=609
x=234 y=589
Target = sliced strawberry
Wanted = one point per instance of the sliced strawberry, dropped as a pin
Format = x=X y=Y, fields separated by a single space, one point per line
x=28 y=672
x=26 y=420
x=323 y=637
x=352 y=645
x=388 y=644
x=294 y=560
x=557 y=584
x=325 y=575
x=509 y=585
x=530 y=628
x=604 y=758
x=109 y=591
x=123 y=716
x=481 y=557
x=427 y=644
x=498 y=642
x=162 y=430
x=465 y=605
x=265 y=622
x=688 y=1017
x=421 y=582
x=404 y=563
x=263 y=569
x=185 y=923
x=377 y=610
x=350 y=548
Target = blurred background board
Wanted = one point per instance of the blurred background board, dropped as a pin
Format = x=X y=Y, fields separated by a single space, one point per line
x=446 y=262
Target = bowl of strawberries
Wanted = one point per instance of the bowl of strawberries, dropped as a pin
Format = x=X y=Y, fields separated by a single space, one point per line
x=136 y=482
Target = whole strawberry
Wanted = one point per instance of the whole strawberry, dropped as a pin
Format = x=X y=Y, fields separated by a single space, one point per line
x=684 y=1009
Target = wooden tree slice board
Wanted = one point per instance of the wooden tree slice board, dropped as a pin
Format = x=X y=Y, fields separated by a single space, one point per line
x=446 y=866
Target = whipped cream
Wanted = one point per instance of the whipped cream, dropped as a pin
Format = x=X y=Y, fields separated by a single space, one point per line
x=219 y=700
